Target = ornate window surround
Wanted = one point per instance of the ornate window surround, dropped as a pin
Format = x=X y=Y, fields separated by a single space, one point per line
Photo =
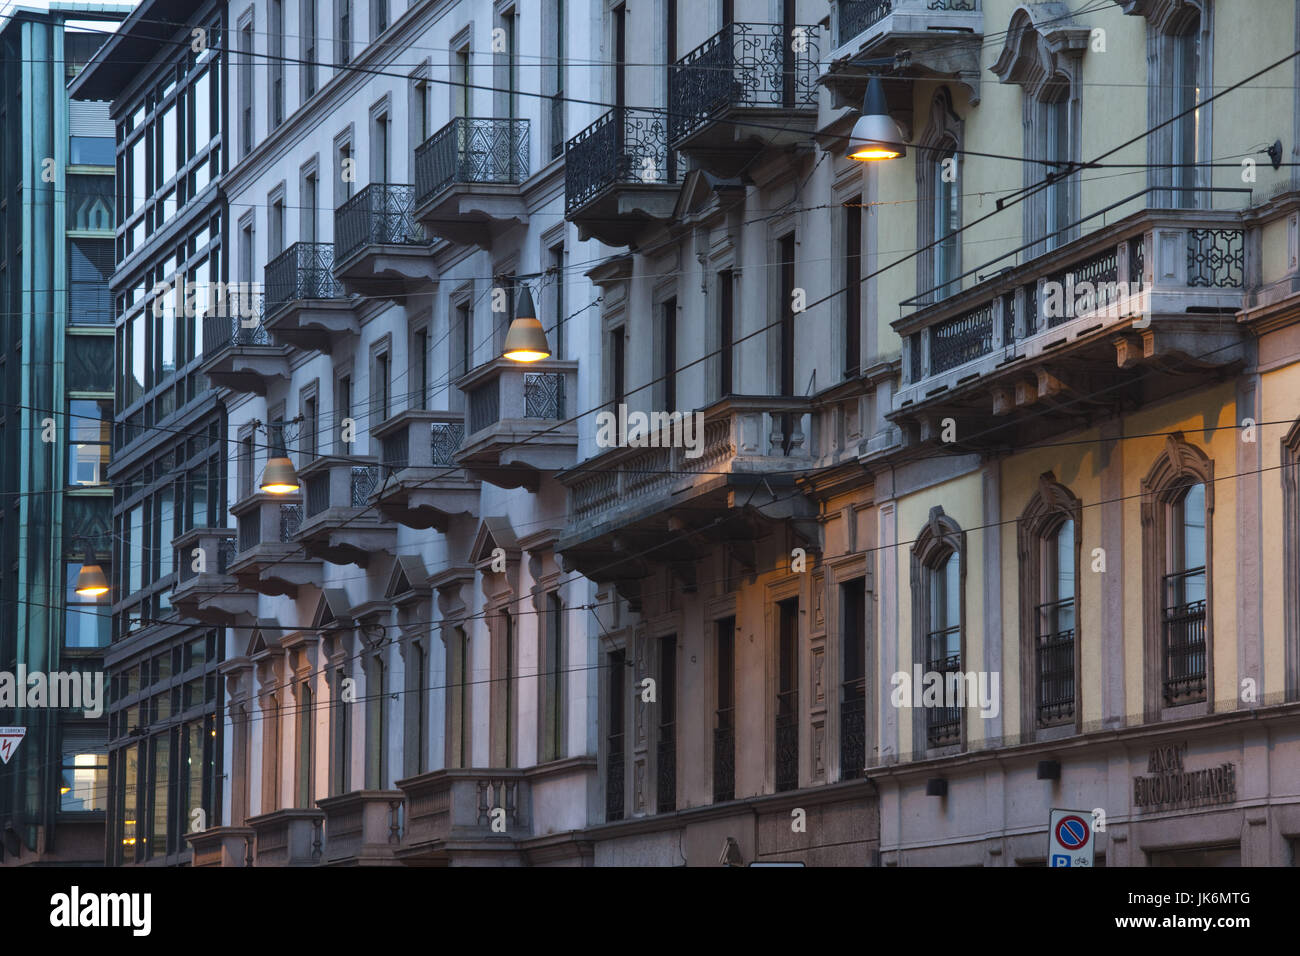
x=1291 y=558
x=940 y=538
x=1177 y=466
x=1051 y=506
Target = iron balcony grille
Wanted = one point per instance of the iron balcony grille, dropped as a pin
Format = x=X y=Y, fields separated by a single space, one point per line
x=787 y=742
x=942 y=724
x=544 y=395
x=1101 y=268
x=235 y=329
x=744 y=65
x=365 y=479
x=250 y=530
x=445 y=441
x=1009 y=318
x=854 y=16
x=1216 y=258
x=961 y=339
x=625 y=146
x=484 y=406
x=853 y=729
x=303 y=271
x=471 y=150
x=1184 y=638
x=397 y=451
x=290 y=521
x=382 y=214
x=318 y=494
x=1136 y=255
x=1055 y=662
x=226 y=552
x=614 y=779
x=666 y=771
x=724 y=758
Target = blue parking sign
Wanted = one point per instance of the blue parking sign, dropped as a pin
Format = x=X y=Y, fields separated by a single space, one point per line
x=1060 y=859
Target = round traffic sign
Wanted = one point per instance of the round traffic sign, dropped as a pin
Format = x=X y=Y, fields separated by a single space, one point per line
x=1072 y=832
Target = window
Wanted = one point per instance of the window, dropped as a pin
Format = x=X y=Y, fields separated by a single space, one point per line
x=947 y=218
x=852 y=287
x=1056 y=127
x=1177 y=505
x=378 y=17
x=90 y=264
x=726 y=331
x=270 y=753
x=307 y=29
x=345 y=174
x=310 y=202
x=508 y=623
x=853 y=679
x=376 y=725
x=380 y=387
x=1187 y=95
x=275 y=64
x=786 y=338
x=557 y=264
x=465 y=338
x=83 y=784
x=553 y=679
x=86 y=621
x=938 y=185
x=557 y=78
x=614 y=739
x=938 y=576
x=460 y=82
x=1048 y=534
x=666 y=752
x=459 y=719
x=246 y=90
x=159 y=841
x=306 y=747
x=307 y=443
x=508 y=66
x=379 y=139
x=420 y=397
x=724 y=712
x=617 y=344
x=275 y=227
x=90 y=431
x=668 y=354
x=341 y=735
x=418 y=701
x=619 y=14
x=343 y=31
x=419 y=111
x=342 y=411
x=787 y=696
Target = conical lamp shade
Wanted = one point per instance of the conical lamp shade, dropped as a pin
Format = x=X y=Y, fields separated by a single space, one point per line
x=279 y=477
x=90 y=580
x=526 y=340
x=875 y=135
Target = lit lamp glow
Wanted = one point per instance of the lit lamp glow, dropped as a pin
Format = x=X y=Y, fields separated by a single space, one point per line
x=526 y=340
x=90 y=579
x=279 y=477
x=875 y=135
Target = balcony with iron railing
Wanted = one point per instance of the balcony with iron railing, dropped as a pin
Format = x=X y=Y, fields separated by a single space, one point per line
x=1183 y=622
x=467 y=179
x=456 y=814
x=205 y=589
x=756 y=72
x=423 y=486
x=306 y=307
x=380 y=248
x=1055 y=662
x=740 y=470
x=942 y=724
x=517 y=425
x=620 y=177
x=1151 y=291
x=238 y=353
x=339 y=523
x=934 y=38
x=267 y=558
x=853 y=729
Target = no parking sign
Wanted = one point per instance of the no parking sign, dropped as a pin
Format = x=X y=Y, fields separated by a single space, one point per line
x=1069 y=838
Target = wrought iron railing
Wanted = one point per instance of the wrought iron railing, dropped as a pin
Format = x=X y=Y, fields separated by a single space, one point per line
x=484 y=406
x=854 y=16
x=853 y=729
x=787 y=742
x=241 y=326
x=614 y=779
x=544 y=395
x=1101 y=271
x=396 y=450
x=290 y=521
x=942 y=724
x=303 y=271
x=1009 y=318
x=960 y=339
x=666 y=770
x=724 y=757
x=444 y=441
x=365 y=479
x=744 y=65
x=250 y=530
x=1183 y=621
x=1136 y=259
x=1055 y=661
x=318 y=494
x=1216 y=258
x=382 y=214
x=624 y=146
x=471 y=150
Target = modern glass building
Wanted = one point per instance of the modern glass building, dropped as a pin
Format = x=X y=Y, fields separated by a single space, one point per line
x=164 y=71
x=56 y=393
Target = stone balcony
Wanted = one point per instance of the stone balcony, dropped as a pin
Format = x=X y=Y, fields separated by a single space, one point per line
x=338 y=523
x=380 y=249
x=468 y=176
x=752 y=72
x=238 y=353
x=1123 y=316
x=620 y=176
x=927 y=39
x=268 y=560
x=221 y=846
x=305 y=305
x=423 y=487
x=288 y=837
x=213 y=595
x=516 y=425
x=465 y=813
x=362 y=828
x=633 y=507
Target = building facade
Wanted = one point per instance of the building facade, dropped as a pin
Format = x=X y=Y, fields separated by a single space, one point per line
x=165 y=73
x=56 y=179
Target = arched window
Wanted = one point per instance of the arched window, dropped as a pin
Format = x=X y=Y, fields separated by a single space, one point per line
x=938 y=622
x=1177 y=507
x=1049 y=539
